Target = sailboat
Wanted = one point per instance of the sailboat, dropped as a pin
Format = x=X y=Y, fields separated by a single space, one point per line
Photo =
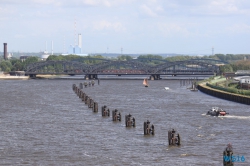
x=145 y=82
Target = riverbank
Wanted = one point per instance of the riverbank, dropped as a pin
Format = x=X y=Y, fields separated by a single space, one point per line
x=51 y=76
x=8 y=77
x=203 y=87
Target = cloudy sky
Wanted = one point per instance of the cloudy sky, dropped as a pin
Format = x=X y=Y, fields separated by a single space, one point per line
x=136 y=26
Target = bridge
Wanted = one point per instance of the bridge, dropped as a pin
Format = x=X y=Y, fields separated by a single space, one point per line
x=129 y=67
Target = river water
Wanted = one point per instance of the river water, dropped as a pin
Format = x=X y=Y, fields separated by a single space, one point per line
x=43 y=122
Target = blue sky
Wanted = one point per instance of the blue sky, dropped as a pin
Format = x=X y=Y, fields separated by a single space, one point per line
x=137 y=26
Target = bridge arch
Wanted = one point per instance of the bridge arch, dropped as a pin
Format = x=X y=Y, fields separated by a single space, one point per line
x=188 y=66
x=58 y=67
x=122 y=67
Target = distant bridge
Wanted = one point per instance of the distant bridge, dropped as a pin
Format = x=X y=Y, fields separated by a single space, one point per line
x=130 y=67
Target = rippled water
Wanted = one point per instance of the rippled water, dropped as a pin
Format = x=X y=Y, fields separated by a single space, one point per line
x=43 y=122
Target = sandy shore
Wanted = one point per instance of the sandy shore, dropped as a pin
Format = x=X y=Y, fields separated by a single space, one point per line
x=49 y=76
x=8 y=77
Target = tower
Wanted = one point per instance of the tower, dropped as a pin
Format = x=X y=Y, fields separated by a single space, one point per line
x=80 y=40
x=212 y=50
x=75 y=34
x=5 y=51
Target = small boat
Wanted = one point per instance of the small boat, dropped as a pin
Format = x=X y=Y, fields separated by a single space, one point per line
x=167 y=88
x=145 y=82
x=216 y=111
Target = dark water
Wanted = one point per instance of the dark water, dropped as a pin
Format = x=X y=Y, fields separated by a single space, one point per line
x=43 y=122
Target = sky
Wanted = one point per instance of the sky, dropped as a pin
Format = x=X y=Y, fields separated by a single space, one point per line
x=127 y=26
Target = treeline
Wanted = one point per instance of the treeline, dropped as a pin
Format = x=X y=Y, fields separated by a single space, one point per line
x=16 y=64
x=76 y=58
x=236 y=61
x=233 y=67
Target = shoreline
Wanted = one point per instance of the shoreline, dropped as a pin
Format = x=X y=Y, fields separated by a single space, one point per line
x=8 y=77
x=224 y=95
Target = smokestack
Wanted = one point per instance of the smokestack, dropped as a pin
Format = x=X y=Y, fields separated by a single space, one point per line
x=5 y=51
x=80 y=40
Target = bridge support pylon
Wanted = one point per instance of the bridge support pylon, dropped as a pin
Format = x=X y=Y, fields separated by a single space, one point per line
x=155 y=77
x=33 y=76
x=91 y=76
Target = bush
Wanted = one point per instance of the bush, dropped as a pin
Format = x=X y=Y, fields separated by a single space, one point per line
x=230 y=89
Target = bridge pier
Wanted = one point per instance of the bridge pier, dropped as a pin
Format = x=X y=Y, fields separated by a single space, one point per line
x=90 y=76
x=33 y=76
x=155 y=77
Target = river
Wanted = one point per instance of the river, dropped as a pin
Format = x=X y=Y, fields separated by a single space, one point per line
x=43 y=122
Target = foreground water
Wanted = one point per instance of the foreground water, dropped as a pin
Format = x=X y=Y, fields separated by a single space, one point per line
x=43 y=122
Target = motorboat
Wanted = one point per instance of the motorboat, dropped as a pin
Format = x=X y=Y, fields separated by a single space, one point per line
x=167 y=88
x=216 y=111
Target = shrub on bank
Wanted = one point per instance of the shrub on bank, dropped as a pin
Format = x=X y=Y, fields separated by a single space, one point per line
x=230 y=89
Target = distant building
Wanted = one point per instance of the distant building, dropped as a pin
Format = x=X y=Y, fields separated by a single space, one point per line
x=44 y=57
x=77 y=49
x=9 y=56
x=23 y=58
x=245 y=83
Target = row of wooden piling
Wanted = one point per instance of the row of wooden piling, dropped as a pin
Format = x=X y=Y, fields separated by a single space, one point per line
x=116 y=115
x=86 y=84
x=149 y=129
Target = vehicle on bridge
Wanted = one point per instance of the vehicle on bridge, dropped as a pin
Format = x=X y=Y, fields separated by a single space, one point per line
x=216 y=111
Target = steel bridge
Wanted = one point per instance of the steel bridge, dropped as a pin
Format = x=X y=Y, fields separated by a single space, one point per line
x=130 y=67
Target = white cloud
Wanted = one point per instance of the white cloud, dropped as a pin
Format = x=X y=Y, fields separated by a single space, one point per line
x=148 y=11
x=170 y=29
x=19 y=36
x=239 y=29
x=105 y=25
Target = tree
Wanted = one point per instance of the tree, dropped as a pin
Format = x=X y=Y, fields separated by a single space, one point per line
x=5 y=66
x=226 y=68
x=124 y=57
x=30 y=60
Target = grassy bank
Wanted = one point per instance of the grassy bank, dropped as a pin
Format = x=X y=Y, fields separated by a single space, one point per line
x=223 y=84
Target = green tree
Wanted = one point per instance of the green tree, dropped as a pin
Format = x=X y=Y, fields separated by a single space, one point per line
x=5 y=66
x=18 y=66
x=29 y=60
x=226 y=68
x=124 y=57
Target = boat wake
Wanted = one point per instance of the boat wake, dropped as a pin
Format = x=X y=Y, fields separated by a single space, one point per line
x=236 y=117
x=230 y=116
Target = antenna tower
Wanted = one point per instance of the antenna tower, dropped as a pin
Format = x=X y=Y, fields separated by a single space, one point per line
x=212 y=50
x=75 y=32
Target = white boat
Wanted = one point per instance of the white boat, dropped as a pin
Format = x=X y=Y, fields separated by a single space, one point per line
x=167 y=88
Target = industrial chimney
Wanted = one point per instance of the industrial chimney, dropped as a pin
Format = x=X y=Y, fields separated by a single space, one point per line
x=5 y=51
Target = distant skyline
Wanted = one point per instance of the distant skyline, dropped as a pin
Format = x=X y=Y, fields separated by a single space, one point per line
x=136 y=26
